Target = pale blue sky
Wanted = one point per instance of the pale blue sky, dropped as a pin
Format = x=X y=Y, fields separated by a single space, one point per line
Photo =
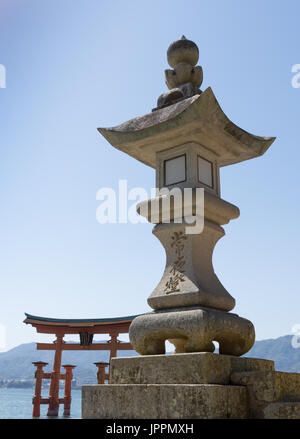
x=75 y=65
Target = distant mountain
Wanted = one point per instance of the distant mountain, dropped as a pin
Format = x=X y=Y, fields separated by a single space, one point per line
x=17 y=362
x=287 y=358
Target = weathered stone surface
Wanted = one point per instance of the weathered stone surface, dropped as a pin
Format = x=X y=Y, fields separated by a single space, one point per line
x=189 y=296
x=163 y=401
x=177 y=94
x=197 y=284
x=186 y=77
x=268 y=387
x=195 y=368
x=216 y=210
x=183 y=50
x=191 y=330
x=187 y=143
x=188 y=89
x=184 y=74
x=201 y=385
x=191 y=306
x=191 y=120
x=282 y=410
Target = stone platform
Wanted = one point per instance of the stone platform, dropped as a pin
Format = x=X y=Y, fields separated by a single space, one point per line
x=164 y=401
x=192 y=368
x=189 y=386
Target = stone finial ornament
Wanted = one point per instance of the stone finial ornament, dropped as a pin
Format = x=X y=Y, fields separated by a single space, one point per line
x=185 y=78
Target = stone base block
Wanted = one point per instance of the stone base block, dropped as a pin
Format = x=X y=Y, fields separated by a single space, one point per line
x=197 y=385
x=194 y=368
x=191 y=329
x=164 y=401
x=271 y=394
x=282 y=410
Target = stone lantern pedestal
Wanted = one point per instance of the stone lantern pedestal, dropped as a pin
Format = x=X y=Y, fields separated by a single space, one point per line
x=192 y=386
x=187 y=138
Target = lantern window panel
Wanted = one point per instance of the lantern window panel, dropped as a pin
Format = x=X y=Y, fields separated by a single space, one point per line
x=205 y=172
x=175 y=170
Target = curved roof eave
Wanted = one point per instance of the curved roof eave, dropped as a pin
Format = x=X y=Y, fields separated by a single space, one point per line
x=43 y=320
x=192 y=119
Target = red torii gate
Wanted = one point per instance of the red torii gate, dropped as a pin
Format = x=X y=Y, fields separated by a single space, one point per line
x=85 y=328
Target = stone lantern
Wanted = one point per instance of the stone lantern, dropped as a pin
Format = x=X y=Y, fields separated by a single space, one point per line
x=187 y=138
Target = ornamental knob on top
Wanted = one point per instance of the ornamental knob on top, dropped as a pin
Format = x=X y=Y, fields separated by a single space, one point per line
x=185 y=78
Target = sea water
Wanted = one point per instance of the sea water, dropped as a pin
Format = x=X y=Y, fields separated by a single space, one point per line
x=17 y=404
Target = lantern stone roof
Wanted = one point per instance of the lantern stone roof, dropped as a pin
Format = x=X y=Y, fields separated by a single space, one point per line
x=198 y=119
x=38 y=320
